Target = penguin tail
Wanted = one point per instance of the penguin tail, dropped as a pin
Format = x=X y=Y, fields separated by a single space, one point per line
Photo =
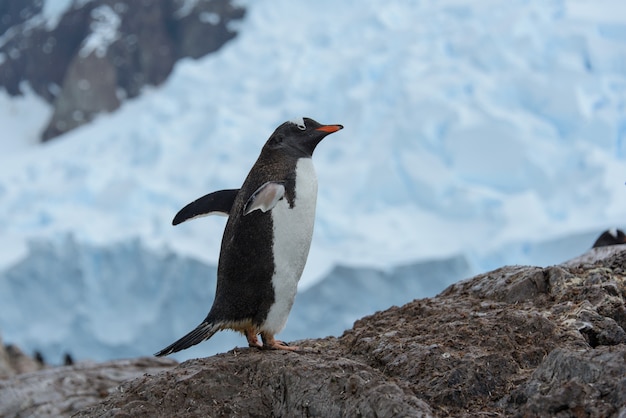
x=202 y=332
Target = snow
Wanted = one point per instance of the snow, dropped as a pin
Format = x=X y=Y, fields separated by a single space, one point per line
x=492 y=133
x=211 y=18
x=104 y=31
x=52 y=11
x=23 y=118
x=185 y=8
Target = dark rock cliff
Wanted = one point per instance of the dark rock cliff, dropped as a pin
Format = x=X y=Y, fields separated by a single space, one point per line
x=104 y=51
x=518 y=341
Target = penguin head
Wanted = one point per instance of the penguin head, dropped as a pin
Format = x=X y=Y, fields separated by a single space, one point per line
x=299 y=137
x=610 y=237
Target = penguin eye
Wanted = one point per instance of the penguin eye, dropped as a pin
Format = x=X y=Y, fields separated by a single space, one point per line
x=301 y=127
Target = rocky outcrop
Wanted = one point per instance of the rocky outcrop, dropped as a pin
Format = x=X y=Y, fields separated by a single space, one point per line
x=13 y=361
x=61 y=391
x=518 y=341
x=104 y=51
x=14 y=12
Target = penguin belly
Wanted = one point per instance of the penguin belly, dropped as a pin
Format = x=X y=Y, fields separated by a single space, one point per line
x=293 y=230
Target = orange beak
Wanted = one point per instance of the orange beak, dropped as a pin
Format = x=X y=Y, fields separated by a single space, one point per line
x=329 y=128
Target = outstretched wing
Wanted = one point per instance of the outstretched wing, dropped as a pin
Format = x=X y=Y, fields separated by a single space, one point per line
x=216 y=203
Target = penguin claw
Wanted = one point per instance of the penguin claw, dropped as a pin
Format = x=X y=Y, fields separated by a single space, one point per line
x=255 y=345
x=279 y=345
x=269 y=343
x=287 y=347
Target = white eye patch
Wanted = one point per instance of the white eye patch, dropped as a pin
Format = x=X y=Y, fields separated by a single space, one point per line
x=299 y=122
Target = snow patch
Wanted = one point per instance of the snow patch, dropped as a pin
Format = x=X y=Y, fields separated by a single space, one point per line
x=104 y=31
x=22 y=118
x=185 y=8
x=53 y=10
x=211 y=18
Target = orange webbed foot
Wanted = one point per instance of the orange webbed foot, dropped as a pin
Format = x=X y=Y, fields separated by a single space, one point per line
x=269 y=343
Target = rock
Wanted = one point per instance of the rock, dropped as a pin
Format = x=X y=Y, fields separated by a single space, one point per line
x=104 y=51
x=247 y=382
x=518 y=341
x=88 y=89
x=14 y=12
x=13 y=361
x=370 y=289
x=596 y=254
x=575 y=383
x=61 y=391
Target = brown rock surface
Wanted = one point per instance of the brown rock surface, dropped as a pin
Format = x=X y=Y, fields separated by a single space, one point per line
x=13 y=361
x=518 y=341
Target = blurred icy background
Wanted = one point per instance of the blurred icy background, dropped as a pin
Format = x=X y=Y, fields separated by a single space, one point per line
x=477 y=134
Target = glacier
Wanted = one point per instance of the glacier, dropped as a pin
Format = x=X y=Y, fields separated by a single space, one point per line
x=476 y=135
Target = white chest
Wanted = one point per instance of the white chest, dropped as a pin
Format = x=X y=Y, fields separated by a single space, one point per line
x=293 y=230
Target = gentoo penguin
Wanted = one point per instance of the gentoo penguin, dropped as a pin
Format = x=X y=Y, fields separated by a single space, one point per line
x=610 y=237
x=39 y=358
x=68 y=360
x=266 y=240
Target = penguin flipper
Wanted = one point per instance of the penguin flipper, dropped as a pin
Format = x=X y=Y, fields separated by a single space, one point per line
x=218 y=203
x=265 y=197
x=202 y=332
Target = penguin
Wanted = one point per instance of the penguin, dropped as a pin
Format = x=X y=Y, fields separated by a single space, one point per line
x=68 y=360
x=39 y=358
x=266 y=240
x=610 y=237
